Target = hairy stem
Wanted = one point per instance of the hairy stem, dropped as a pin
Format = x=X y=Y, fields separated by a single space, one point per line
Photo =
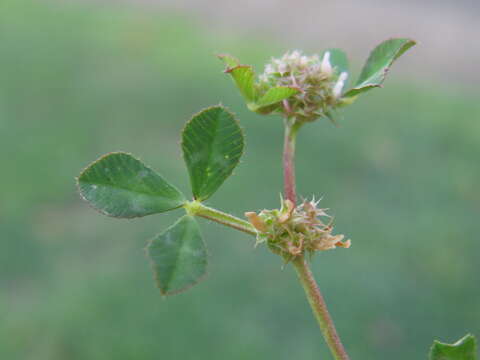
x=198 y=209
x=291 y=129
x=319 y=308
x=312 y=291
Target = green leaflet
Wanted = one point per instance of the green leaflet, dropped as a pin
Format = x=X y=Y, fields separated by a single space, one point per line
x=378 y=63
x=119 y=185
x=178 y=256
x=212 y=144
x=463 y=349
x=242 y=75
x=273 y=96
x=244 y=78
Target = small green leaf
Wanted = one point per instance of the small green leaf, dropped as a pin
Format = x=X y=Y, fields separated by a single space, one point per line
x=273 y=96
x=338 y=60
x=463 y=349
x=119 y=185
x=378 y=63
x=178 y=256
x=212 y=144
x=244 y=78
x=229 y=60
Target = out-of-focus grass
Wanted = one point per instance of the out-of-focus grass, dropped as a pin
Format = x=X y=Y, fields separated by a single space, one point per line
x=401 y=175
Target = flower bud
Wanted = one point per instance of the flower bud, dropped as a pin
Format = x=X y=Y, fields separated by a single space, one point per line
x=337 y=89
x=325 y=66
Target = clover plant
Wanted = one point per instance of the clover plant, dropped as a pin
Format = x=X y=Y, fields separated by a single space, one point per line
x=299 y=88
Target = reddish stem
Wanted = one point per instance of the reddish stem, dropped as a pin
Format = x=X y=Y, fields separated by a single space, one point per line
x=319 y=308
x=288 y=160
x=305 y=276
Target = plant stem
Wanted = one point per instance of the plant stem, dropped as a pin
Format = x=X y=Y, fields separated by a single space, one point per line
x=198 y=209
x=291 y=128
x=312 y=291
x=319 y=308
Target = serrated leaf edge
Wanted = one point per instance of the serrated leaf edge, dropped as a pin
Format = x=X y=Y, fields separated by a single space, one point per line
x=354 y=90
x=220 y=105
x=456 y=343
x=152 y=264
x=77 y=183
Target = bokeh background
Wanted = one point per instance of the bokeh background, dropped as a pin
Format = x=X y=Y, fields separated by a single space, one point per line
x=401 y=175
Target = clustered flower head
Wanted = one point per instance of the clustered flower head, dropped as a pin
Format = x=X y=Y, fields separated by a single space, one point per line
x=293 y=231
x=320 y=85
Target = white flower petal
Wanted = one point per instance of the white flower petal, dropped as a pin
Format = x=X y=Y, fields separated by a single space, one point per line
x=326 y=67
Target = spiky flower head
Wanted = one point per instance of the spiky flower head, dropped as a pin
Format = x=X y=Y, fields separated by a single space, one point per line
x=320 y=85
x=293 y=231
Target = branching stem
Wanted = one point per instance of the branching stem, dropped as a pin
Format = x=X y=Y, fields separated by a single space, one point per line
x=312 y=291
x=304 y=273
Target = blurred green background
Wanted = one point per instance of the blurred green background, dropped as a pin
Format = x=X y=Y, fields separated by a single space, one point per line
x=401 y=175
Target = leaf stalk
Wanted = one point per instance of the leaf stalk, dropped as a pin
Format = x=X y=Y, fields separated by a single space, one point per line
x=196 y=208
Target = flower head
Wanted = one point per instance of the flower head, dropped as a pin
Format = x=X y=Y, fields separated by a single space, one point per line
x=292 y=231
x=305 y=88
x=317 y=80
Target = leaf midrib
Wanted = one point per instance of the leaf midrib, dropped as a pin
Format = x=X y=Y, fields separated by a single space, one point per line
x=123 y=188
